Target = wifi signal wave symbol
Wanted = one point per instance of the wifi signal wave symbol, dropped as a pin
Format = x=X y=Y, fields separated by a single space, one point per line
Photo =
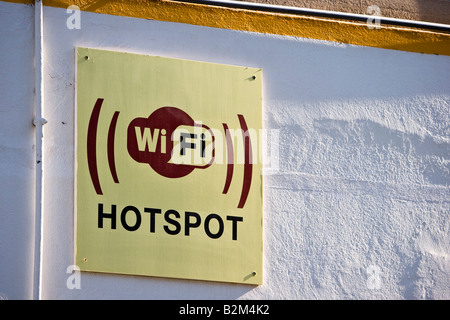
x=170 y=118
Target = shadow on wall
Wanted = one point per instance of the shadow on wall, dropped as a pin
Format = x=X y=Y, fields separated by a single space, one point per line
x=366 y=150
x=425 y=153
x=154 y=288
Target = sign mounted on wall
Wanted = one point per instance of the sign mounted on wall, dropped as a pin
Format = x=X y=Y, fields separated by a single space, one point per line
x=168 y=177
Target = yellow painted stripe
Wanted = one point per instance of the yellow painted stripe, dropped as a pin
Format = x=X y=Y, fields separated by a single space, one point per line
x=388 y=37
x=20 y=1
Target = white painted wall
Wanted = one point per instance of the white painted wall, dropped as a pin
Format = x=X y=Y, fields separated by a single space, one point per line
x=16 y=150
x=359 y=209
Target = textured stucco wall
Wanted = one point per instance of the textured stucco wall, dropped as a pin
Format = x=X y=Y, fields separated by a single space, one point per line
x=360 y=206
x=437 y=11
x=358 y=210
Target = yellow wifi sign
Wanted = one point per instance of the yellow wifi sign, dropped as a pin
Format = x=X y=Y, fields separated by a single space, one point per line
x=168 y=167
